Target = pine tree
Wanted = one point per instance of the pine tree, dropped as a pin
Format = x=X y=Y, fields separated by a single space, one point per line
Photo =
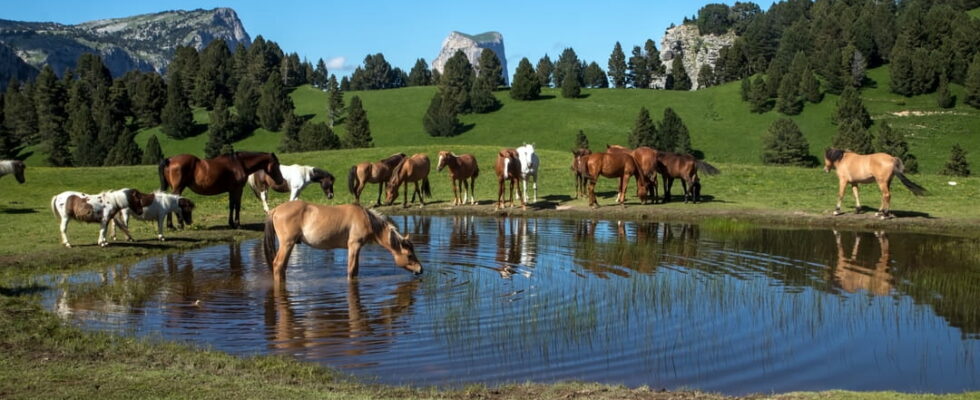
x=654 y=65
x=850 y=107
x=82 y=130
x=317 y=136
x=568 y=63
x=746 y=89
x=358 y=128
x=617 y=67
x=420 y=75
x=853 y=136
x=335 y=102
x=945 y=99
x=457 y=82
x=582 y=141
x=290 y=142
x=681 y=80
x=274 y=102
x=482 y=99
x=247 y=103
x=900 y=66
x=50 y=106
x=891 y=142
x=213 y=73
x=972 y=83
x=20 y=113
x=176 y=118
x=957 y=164
x=706 y=76
x=639 y=72
x=570 y=87
x=543 y=71
x=148 y=97
x=345 y=83
x=525 y=85
x=810 y=87
x=788 y=101
x=759 y=96
x=125 y=151
x=440 y=120
x=320 y=74
x=644 y=131
x=784 y=144
x=153 y=153
x=221 y=130
x=676 y=137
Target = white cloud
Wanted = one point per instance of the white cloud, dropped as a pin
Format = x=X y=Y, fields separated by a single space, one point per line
x=338 y=64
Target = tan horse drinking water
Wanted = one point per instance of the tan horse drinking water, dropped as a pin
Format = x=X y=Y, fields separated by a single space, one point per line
x=414 y=169
x=347 y=226
x=372 y=172
x=854 y=169
x=461 y=169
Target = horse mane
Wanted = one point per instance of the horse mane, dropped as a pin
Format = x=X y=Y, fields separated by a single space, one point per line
x=317 y=174
x=393 y=159
x=397 y=170
x=833 y=155
x=380 y=223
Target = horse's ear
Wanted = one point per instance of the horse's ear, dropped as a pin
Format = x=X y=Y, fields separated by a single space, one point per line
x=408 y=237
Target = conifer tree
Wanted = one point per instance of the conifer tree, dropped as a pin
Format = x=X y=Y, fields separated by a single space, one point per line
x=358 y=128
x=676 y=137
x=944 y=99
x=617 y=67
x=82 y=130
x=317 y=136
x=810 y=87
x=50 y=106
x=213 y=73
x=681 y=80
x=543 y=71
x=784 y=144
x=482 y=99
x=247 y=103
x=420 y=75
x=639 y=72
x=320 y=74
x=290 y=143
x=972 y=83
x=595 y=77
x=125 y=151
x=221 y=130
x=440 y=119
x=582 y=141
x=273 y=103
x=853 y=136
x=789 y=100
x=153 y=153
x=176 y=118
x=746 y=88
x=654 y=65
x=706 y=76
x=148 y=97
x=525 y=85
x=570 y=87
x=20 y=113
x=850 y=107
x=457 y=82
x=759 y=96
x=957 y=164
x=568 y=63
x=644 y=131
x=335 y=102
x=891 y=142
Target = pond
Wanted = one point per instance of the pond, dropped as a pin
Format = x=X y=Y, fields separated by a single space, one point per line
x=718 y=307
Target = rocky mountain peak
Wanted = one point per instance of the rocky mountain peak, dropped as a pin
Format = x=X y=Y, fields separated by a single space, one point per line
x=472 y=46
x=687 y=41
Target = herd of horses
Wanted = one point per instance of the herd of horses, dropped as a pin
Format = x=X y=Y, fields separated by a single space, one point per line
x=352 y=226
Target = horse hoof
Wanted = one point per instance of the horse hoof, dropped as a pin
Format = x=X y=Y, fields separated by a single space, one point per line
x=837 y=212
x=68 y=245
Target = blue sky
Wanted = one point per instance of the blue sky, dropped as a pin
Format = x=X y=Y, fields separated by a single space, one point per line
x=342 y=33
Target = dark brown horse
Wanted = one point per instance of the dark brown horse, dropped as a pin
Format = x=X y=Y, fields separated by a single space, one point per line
x=213 y=176
x=615 y=165
x=684 y=167
x=508 y=167
x=646 y=158
x=581 y=170
x=372 y=172
x=413 y=169
x=853 y=169
x=461 y=169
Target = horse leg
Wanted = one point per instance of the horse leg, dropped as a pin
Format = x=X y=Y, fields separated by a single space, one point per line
x=419 y=192
x=840 y=196
x=279 y=263
x=886 y=199
x=64 y=231
x=122 y=221
x=103 y=224
x=264 y=196
x=857 y=200
x=624 y=182
x=234 y=207
x=381 y=186
x=353 y=263
x=668 y=182
x=500 y=193
x=535 y=187
x=592 y=201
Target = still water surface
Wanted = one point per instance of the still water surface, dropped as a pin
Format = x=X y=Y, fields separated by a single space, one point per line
x=725 y=309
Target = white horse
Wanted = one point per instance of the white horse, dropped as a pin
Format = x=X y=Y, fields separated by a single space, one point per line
x=295 y=178
x=156 y=206
x=529 y=168
x=15 y=167
x=101 y=208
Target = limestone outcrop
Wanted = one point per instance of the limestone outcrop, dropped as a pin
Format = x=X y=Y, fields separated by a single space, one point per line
x=472 y=46
x=686 y=41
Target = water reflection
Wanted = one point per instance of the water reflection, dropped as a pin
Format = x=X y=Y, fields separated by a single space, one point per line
x=853 y=275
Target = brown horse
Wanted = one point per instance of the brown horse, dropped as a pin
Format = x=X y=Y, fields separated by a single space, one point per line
x=685 y=167
x=347 y=226
x=461 y=169
x=413 y=169
x=853 y=169
x=508 y=167
x=372 y=172
x=581 y=170
x=224 y=173
x=615 y=165
x=646 y=158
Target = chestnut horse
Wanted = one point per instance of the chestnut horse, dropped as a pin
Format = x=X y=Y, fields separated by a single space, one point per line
x=581 y=170
x=413 y=169
x=615 y=165
x=461 y=169
x=213 y=176
x=508 y=167
x=372 y=172
x=685 y=167
x=646 y=159
x=853 y=169
x=347 y=226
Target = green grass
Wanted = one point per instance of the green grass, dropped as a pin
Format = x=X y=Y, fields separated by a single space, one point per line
x=975 y=13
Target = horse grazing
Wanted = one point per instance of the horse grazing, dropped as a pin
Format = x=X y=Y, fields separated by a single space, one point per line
x=15 y=167
x=156 y=207
x=615 y=165
x=101 y=208
x=367 y=172
x=461 y=169
x=685 y=167
x=853 y=169
x=224 y=173
x=296 y=178
x=646 y=158
x=529 y=169
x=347 y=226
x=580 y=168
x=508 y=168
x=413 y=169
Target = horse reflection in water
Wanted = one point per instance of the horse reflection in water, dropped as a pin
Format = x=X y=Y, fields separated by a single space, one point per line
x=463 y=234
x=851 y=276
x=516 y=246
x=614 y=248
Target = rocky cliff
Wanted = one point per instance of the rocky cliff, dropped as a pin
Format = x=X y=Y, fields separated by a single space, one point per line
x=686 y=41
x=145 y=42
x=472 y=46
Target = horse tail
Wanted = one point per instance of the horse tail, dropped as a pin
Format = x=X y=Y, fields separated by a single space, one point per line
x=164 y=185
x=425 y=187
x=707 y=168
x=914 y=187
x=54 y=210
x=352 y=180
x=269 y=240
x=476 y=171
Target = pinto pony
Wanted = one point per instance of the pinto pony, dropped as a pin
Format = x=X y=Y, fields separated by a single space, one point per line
x=100 y=208
x=529 y=169
x=853 y=169
x=372 y=172
x=347 y=226
x=615 y=165
x=156 y=207
x=296 y=178
x=221 y=174
x=461 y=169
x=684 y=167
x=15 y=167
x=413 y=169
x=508 y=168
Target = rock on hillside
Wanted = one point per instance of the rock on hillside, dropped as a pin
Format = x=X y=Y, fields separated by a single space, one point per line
x=472 y=46
x=686 y=41
x=12 y=66
x=145 y=42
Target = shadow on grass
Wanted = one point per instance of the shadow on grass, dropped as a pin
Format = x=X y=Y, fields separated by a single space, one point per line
x=23 y=290
x=18 y=211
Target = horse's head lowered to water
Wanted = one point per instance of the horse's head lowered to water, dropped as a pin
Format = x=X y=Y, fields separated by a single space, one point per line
x=403 y=251
x=326 y=181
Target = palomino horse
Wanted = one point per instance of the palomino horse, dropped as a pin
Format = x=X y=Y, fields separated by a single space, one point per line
x=529 y=169
x=581 y=170
x=367 y=172
x=508 y=167
x=347 y=226
x=646 y=159
x=413 y=169
x=461 y=169
x=615 y=165
x=224 y=173
x=853 y=169
x=296 y=178
x=685 y=167
x=15 y=167
x=100 y=208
